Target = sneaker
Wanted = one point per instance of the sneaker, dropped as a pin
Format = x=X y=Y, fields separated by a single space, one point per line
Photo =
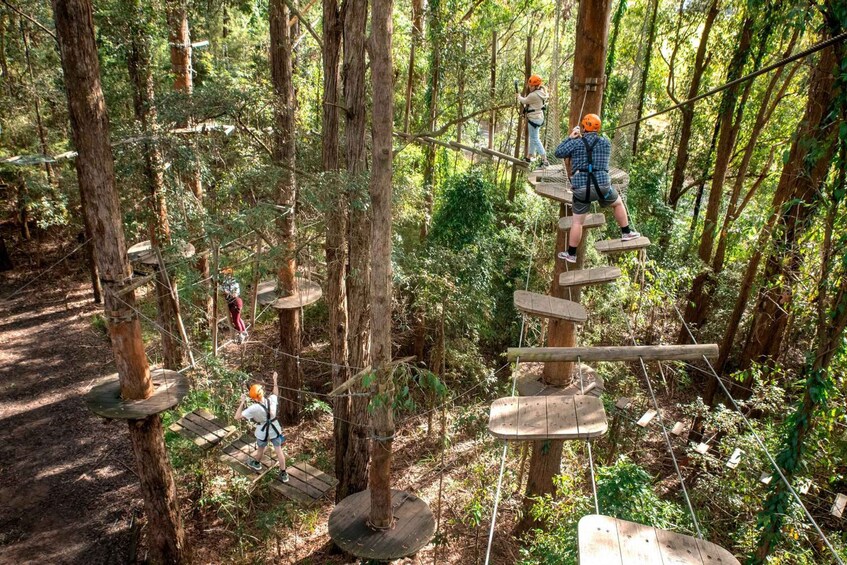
x=253 y=464
x=528 y=159
x=565 y=256
x=545 y=163
x=283 y=476
x=631 y=235
x=242 y=337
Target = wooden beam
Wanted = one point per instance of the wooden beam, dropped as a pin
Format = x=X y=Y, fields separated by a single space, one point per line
x=136 y=282
x=345 y=386
x=505 y=157
x=616 y=353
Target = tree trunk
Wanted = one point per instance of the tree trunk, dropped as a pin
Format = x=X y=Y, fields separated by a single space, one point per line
x=417 y=32
x=460 y=88
x=36 y=102
x=179 y=38
x=286 y=198
x=355 y=477
x=95 y=170
x=687 y=111
x=645 y=73
x=5 y=259
x=589 y=59
x=522 y=122
x=613 y=43
x=803 y=172
x=90 y=259
x=492 y=88
x=382 y=416
x=336 y=235
x=434 y=34
x=141 y=79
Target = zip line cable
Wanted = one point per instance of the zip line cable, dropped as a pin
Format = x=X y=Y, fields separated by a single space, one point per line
x=756 y=435
x=514 y=386
x=805 y=53
x=588 y=442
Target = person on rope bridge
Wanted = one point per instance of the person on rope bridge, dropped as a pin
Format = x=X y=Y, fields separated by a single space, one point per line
x=231 y=291
x=534 y=104
x=263 y=413
x=589 y=154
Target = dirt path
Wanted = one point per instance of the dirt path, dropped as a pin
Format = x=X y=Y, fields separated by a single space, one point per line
x=67 y=485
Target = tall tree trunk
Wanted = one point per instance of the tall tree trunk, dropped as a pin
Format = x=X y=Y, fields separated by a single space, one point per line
x=553 y=119
x=417 y=33
x=645 y=74
x=492 y=89
x=460 y=88
x=613 y=43
x=804 y=171
x=141 y=79
x=90 y=259
x=382 y=415
x=179 y=38
x=95 y=170
x=522 y=122
x=592 y=31
x=687 y=111
x=36 y=102
x=336 y=235
x=435 y=36
x=286 y=198
x=355 y=477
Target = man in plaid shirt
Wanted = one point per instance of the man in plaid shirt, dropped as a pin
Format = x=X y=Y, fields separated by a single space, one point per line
x=589 y=154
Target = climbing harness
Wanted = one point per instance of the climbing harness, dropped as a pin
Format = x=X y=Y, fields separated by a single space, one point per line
x=592 y=178
x=266 y=427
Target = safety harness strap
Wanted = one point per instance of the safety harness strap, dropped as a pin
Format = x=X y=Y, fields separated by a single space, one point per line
x=268 y=421
x=592 y=178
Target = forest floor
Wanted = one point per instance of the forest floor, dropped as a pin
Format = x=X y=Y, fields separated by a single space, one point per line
x=69 y=492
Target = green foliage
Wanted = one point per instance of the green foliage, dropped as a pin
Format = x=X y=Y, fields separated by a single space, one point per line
x=465 y=214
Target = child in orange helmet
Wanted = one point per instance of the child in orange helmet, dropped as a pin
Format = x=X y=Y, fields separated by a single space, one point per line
x=263 y=413
x=534 y=104
x=589 y=153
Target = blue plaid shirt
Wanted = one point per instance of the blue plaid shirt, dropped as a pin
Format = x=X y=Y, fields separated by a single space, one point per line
x=575 y=149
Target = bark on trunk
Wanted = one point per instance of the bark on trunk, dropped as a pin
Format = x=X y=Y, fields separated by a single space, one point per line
x=286 y=197
x=94 y=273
x=434 y=28
x=95 y=170
x=5 y=259
x=382 y=416
x=141 y=79
x=687 y=119
x=645 y=73
x=336 y=236
x=179 y=38
x=492 y=88
x=522 y=122
x=417 y=33
x=355 y=476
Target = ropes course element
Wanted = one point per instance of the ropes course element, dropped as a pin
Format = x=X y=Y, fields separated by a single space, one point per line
x=588 y=445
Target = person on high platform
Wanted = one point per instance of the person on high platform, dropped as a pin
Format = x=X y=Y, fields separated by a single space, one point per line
x=534 y=104
x=589 y=152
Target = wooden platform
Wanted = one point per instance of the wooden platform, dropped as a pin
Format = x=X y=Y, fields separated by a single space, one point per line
x=555 y=191
x=591 y=221
x=308 y=293
x=546 y=306
x=555 y=173
x=306 y=485
x=618 y=246
x=530 y=382
x=169 y=388
x=203 y=428
x=586 y=277
x=616 y=353
x=143 y=253
x=413 y=529
x=547 y=417
x=609 y=541
x=237 y=453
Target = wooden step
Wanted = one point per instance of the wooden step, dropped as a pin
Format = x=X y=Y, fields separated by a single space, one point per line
x=550 y=307
x=203 y=428
x=591 y=221
x=520 y=418
x=559 y=192
x=619 y=246
x=607 y=540
x=585 y=277
x=625 y=353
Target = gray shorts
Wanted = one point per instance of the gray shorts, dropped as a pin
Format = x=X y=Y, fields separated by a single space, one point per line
x=610 y=196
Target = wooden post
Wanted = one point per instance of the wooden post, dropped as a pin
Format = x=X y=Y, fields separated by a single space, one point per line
x=216 y=269
x=382 y=415
x=95 y=170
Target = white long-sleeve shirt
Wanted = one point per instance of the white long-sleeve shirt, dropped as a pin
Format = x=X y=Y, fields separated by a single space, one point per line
x=535 y=101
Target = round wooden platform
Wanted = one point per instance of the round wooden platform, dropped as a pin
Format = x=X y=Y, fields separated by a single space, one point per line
x=142 y=252
x=413 y=529
x=309 y=292
x=169 y=388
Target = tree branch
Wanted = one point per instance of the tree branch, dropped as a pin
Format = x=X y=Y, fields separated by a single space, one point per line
x=304 y=21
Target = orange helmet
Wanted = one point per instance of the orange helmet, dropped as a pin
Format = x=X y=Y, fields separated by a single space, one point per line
x=257 y=393
x=535 y=80
x=591 y=122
